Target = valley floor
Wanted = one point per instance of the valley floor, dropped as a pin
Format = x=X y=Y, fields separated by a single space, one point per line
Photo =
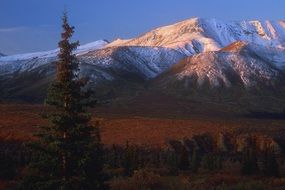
x=151 y=126
x=120 y=124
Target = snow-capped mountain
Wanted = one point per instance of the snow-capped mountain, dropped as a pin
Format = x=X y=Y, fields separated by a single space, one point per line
x=53 y=53
x=145 y=62
x=188 y=37
x=193 y=53
x=29 y=61
x=239 y=64
x=201 y=35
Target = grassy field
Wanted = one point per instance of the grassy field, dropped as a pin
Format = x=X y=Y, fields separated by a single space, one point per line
x=121 y=124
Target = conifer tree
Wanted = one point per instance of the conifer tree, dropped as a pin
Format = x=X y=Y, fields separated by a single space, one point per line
x=195 y=161
x=69 y=150
x=249 y=161
x=114 y=157
x=171 y=159
x=184 y=159
x=212 y=162
x=271 y=167
x=128 y=160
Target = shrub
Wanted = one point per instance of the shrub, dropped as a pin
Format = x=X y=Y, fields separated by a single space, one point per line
x=250 y=185
x=195 y=162
x=211 y=162
x=270 y=164
x=142 y=179
x=249 y=161
x=8 y=169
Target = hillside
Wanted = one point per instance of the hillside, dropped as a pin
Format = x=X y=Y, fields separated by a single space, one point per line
x=239 y=63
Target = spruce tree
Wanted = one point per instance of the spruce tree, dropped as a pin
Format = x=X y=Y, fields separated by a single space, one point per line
x=195 y=161
x=212 y=162
x=270 y=164
x=184 y=159
x=69 y=150
x=128 y=162
x=249 y=161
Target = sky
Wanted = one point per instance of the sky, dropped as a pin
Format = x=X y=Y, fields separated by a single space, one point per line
x=35 y=25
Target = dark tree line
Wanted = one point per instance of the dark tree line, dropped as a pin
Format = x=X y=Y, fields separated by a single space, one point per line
x=125 y=161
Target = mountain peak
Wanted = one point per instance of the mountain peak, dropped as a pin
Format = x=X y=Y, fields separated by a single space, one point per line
x=198 y=35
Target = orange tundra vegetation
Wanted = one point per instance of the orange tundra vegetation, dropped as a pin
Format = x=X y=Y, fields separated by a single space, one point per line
x=18 y=122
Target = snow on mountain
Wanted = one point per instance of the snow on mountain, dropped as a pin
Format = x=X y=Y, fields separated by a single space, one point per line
x=53 y=53
x=91 y=47
x=218 y=69
x=189 y=37
x=201 y=35
x=240 y=64
x=116 y=70
x=273 y=55
x=146 y=62
x=216 y=53
x=29 y=61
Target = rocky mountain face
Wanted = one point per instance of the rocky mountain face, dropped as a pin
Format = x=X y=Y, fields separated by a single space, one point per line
x=196 y=57
x=239 y=64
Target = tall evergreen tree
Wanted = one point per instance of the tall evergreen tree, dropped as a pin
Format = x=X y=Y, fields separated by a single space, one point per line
x=270 y=164
x=183 y=159
x=129 y=160
x=69 y=150
x=249 y=161
x=195 y=161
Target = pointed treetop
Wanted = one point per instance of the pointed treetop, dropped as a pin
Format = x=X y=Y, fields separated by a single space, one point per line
x=67 y=29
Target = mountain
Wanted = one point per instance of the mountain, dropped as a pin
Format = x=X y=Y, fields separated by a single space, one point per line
x=144 y=62
x=240 y=63
x=27 y=76
x=107 y=68
x=189 y=37
x=242 y=74
x=1 y=54
x=194 y=58
x=27 y=62
x=199 y=35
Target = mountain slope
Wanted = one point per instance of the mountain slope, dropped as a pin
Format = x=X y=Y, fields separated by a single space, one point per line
x=201 y=35
x=109 y=69
x=241 y=73
x=53 y=53
x=188 y=37
x=194 y=58
x=247 y=65
x=27 y=62
x=145 y=62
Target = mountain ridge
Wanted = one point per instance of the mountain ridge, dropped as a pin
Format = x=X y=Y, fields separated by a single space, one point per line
x=210 y=34
x=184 y=57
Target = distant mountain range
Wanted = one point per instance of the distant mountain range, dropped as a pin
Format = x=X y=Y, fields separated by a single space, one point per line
x=198 y=59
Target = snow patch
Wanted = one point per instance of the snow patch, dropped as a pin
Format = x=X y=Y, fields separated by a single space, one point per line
x=53 y=53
